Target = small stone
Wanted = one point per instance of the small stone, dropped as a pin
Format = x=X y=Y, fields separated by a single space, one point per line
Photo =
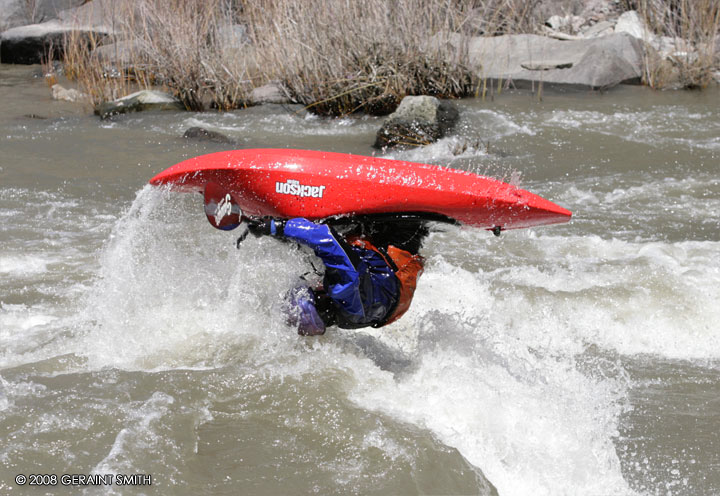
x=67 y=95
x=555 y=22
x=202 y=134
x=631 y=23
x=270 y=93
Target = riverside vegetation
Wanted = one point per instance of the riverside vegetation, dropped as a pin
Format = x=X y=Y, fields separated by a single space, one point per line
x=341 y=57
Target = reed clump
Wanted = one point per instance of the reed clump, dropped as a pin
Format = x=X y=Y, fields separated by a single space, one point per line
x=172 y=44
x=693 y=28
x=341 y=57
x=338 y=56
x=334 y=57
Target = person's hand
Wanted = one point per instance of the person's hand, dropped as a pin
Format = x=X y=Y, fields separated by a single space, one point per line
x=266 y=227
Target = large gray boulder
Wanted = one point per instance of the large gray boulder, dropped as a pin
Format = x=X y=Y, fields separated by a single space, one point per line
x=418 y=120
x=15 y=13
x=527 y=58
x=12 y=13
x=30 y=43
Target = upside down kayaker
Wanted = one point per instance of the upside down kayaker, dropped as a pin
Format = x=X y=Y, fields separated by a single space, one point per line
x=369 y=279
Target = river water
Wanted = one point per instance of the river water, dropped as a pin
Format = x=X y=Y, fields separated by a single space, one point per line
x=564 y=360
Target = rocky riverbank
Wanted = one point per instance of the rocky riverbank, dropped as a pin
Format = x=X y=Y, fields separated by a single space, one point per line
x=593 y=44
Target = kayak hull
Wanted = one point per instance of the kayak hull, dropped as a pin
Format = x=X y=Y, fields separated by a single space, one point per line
x=286 y=183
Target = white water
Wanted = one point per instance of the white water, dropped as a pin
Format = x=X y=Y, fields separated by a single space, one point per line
x=514 y=352
x=493 y=369
x=493 y=348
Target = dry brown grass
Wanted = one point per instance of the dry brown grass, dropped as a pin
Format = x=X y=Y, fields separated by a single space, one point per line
x=100 y=83
x=336 y=56
x=167 y=43
x=340 y=57
x=496 y=17
x=187 y=45
x=695 y=24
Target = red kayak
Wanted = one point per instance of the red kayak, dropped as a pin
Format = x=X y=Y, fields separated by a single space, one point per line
x=318 y=185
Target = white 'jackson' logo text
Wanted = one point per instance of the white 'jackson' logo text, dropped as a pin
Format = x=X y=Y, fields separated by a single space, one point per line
x=293 y=187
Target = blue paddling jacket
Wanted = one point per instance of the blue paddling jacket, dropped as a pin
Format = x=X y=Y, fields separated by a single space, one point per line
x=360 y=282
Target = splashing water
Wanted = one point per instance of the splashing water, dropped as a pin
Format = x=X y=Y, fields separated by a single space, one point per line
x=503 y=388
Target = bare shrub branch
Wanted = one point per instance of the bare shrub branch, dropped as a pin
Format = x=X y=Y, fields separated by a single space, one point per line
x=694 y=26
x=339 y=56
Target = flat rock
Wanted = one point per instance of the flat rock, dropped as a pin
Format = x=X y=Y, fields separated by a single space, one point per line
x=595 y=63
x=598 y=10
x=137 y=102
x=418 y=120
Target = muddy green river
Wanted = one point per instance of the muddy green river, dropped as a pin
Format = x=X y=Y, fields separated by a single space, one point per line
x=580 y=359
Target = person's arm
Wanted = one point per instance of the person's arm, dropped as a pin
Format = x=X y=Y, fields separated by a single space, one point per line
x=336 y=255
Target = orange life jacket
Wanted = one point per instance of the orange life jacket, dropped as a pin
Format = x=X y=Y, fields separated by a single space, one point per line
x=407 y=267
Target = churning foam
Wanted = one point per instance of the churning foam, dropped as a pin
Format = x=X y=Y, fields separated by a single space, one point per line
x=661 y=124
x=518 y=409
x=15 y=265
x=282 y=123
x=499 y=345
x=174 y=292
